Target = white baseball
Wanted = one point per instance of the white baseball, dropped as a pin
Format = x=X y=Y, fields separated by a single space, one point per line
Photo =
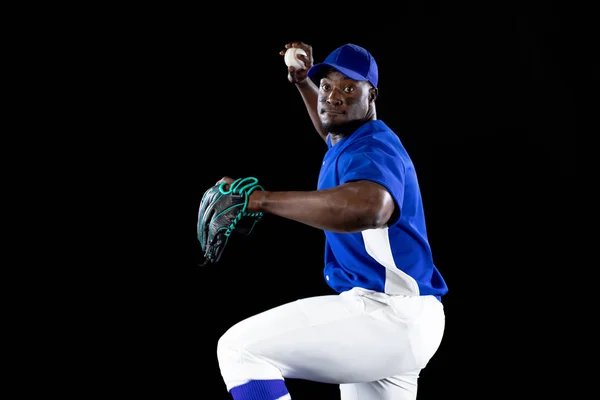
x=290 y=57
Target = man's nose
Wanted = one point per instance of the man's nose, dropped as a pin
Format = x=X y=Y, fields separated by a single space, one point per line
x=334 y=97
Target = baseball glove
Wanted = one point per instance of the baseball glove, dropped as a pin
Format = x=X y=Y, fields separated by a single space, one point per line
x=223 y=211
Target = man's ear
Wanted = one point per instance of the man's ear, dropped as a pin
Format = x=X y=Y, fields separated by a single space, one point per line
x=373 y=93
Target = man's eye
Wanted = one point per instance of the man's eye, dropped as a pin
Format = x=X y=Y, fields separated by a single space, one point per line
x=349 y=89
x=325 y=87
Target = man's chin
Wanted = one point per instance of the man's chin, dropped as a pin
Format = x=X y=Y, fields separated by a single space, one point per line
x=329 y=126
x=333 y=124
x=344 y=128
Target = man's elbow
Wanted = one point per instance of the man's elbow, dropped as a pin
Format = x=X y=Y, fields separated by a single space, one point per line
x=371 y=208
x=381 y=212
x=375 y=218
x=379 y=218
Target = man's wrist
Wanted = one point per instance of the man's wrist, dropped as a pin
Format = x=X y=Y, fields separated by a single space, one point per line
x=255 y=201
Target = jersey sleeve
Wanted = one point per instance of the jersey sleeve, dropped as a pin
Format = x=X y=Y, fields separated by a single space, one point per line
x=376 y=162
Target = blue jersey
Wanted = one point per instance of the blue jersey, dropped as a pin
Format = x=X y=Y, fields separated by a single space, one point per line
x=397 y=259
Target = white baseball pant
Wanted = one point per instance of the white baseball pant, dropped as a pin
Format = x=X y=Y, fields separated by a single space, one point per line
x=372 y=344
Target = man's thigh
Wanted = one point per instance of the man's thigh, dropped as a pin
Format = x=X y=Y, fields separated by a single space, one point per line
x=330 y=339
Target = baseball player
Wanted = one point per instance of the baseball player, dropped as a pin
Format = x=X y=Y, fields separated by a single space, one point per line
x=384 y=320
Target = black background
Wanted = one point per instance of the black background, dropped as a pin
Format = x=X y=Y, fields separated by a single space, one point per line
x=487 y=107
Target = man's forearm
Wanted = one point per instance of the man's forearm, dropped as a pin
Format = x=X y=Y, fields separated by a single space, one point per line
x=347 y=208
x=309 y=93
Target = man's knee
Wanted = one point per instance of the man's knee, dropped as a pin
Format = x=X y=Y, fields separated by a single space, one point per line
x=228 y=348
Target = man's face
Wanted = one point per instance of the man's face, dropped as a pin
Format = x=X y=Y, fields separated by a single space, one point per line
x=342 y=101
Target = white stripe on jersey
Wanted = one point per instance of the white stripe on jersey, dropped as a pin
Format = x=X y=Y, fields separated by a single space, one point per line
x=377 y=244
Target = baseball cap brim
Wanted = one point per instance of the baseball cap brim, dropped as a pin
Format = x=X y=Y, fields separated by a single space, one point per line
x=316 y=72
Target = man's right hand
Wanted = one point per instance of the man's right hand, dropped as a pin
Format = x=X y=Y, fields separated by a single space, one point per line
x=299 y=75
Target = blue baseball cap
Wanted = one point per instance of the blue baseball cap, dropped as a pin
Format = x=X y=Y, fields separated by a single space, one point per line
x=351 y=60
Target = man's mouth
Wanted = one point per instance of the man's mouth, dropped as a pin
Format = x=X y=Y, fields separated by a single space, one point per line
x=328 y=111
